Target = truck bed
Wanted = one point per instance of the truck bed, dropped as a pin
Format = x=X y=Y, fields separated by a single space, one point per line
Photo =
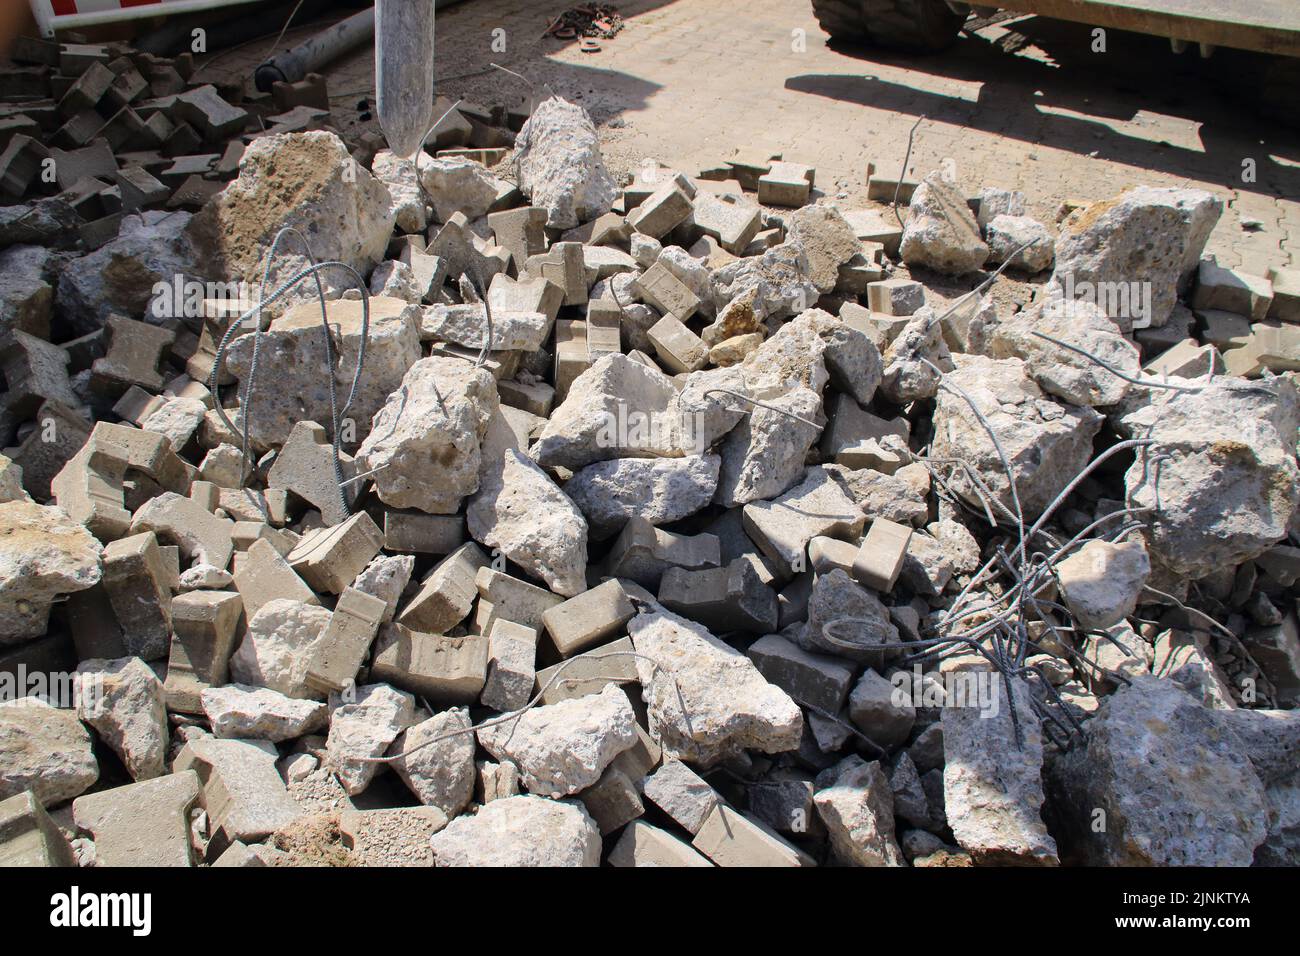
x=1265 y=26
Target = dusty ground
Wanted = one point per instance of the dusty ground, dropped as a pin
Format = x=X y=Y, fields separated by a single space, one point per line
x=1024 y=103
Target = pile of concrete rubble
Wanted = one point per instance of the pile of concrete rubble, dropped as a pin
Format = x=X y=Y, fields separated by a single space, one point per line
x=652 y=525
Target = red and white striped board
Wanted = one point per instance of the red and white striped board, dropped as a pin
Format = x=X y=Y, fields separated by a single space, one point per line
x=54 y=15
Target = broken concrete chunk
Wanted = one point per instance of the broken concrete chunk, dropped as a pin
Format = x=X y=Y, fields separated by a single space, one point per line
x=992 y=778
x=827 y=239
x=764 y=455
x=1025 y=241
x=795 y=357
x=456 y=185
x=880 y=711
x=1176 y=785
x=1179 y=656
x=1281 y=847
x=728 y=704
x=1059 y=370
x=204 y=577
x=424 y=445
x=915 y=359
x=302 y=180
x=1276 y=649
x=11 y=481
x=1229 y=439
x=277 y=648
x=1046 y=443
x=855 y=802
x=522 y=831
x=616 y=408
x=816 y=506
x=386 y=578
x=941 y=232
x=128 y=711
x=1102 y=581
x=363 y=727
x=406 y=202
x=999 y=202
x=777 y=278
x=242 y=711
x=120 y=276
x=441 y=772
x=660 y=490
x=45 y=750
x=1147 y=240
x=293 y=348
x=176 y=418
x=560 y=166
x=563 y=748
x=466 y=325
x=847 y=620
x=42 y=555
x=519 y=511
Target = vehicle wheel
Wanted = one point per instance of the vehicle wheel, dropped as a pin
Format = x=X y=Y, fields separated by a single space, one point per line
x=917 y=26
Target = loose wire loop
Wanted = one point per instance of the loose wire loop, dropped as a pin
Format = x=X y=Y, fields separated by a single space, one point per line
x=337 y=414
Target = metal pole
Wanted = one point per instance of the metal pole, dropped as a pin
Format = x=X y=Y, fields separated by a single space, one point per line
x=292 y=65
x=404 y=73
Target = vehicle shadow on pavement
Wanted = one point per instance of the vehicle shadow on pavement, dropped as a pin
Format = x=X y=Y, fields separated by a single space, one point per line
x=1041 y=84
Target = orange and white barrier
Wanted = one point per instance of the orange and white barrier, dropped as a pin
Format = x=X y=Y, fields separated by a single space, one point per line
x=54 y=15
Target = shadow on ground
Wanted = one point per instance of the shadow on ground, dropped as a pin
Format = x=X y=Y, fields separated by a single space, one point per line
x=1044 y=66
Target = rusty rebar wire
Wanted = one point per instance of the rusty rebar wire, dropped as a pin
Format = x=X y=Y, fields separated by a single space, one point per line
x=903 y=172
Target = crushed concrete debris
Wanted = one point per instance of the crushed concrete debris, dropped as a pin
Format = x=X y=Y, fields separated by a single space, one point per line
x=694 y=522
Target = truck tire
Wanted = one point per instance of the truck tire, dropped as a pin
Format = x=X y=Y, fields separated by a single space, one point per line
x=916 y=26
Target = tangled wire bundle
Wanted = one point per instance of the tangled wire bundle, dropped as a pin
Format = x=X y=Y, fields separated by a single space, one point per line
x=596 y=20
